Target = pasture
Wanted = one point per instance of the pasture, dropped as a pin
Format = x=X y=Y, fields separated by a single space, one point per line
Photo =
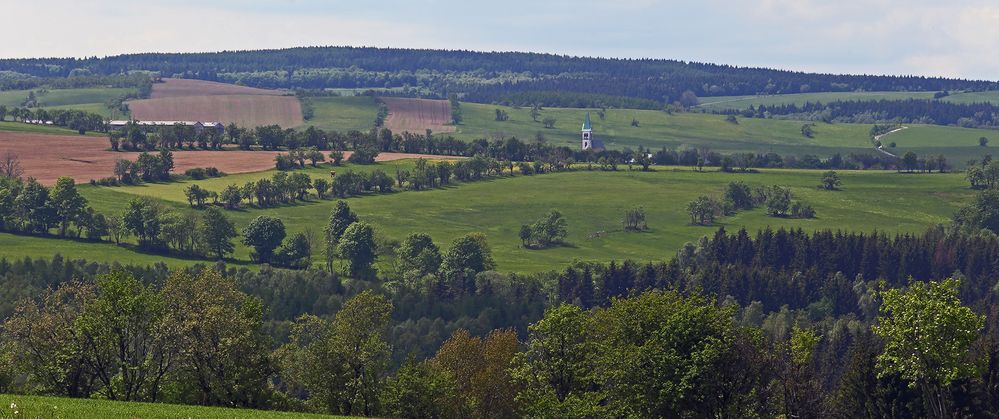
x=86 y=99
x=593 y=203
x=657 y=129
x=343 y=113
x=59 y=407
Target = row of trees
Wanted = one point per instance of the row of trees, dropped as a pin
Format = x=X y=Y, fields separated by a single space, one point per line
x=922 y=111
x=29 y=207
x=80 y=121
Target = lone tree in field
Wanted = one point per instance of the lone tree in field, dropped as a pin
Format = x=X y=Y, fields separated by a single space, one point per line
x=357 y=248
x=910 y=161
x=10 y=166
x=703 y=210
x=549 y=230
x=830 y=181
x=264 y=234
x=340 y=218
x=928 y=335
x=455 y=108
x=634 y=219
x=548 y=122
x=69 y=205
x=984 y=142
x=216 y=232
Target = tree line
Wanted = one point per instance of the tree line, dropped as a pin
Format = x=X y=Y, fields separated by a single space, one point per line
x=906 y=111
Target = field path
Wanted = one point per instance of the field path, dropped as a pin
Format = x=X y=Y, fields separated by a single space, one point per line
x=879 y=146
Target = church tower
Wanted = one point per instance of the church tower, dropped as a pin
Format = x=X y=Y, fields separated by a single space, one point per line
x=587 y=133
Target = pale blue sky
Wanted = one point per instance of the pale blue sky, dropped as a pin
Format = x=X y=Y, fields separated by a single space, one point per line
x=947 y=38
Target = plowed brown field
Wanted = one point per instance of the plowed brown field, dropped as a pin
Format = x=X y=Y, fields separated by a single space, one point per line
x=187 y=87
x=416 y=115
x=197 y=100
x=48 y=157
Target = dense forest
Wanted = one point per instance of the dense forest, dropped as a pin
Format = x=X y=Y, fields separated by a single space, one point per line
x=501 y=77
x=780 y=323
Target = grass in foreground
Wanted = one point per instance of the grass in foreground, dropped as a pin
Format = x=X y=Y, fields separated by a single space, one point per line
x=58 y=407
x=593 y=203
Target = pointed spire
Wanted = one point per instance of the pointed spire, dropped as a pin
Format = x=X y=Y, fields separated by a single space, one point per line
x=586 y=123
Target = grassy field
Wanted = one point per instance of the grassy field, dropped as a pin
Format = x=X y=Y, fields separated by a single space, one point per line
x=743 y=102
x=343 y=113
x=58 y=407
x=658 y=129
x=11 y=126
x=89 y=99
x=593 y=203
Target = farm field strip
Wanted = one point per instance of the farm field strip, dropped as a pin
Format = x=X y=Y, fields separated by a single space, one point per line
x=417 y=115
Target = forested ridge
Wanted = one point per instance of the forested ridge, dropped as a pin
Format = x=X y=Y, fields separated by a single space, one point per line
x=916 y=111
x=500 y=77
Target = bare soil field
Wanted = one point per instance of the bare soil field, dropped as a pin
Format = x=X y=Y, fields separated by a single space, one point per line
x=244 y=110
x=416 y=115
x=47 y=157
x=187 y=87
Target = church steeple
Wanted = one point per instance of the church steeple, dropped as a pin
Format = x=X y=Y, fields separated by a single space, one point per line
x=586 y=123
x=587 y=132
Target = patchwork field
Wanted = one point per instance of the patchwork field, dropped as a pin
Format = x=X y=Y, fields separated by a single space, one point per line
x=58 y=407
x=47 y=157
x=417 y=115
x=196 y=100
x=593 y=203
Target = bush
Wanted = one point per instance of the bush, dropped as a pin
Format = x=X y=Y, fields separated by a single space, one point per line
x=284 y=162
x=199 y=173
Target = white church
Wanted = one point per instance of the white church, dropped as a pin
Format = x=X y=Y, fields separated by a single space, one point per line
x=590 y=143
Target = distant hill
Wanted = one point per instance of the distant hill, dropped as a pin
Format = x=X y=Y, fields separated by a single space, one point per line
x=514 y=78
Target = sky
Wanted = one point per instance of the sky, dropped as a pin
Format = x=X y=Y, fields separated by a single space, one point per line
x=951 y=38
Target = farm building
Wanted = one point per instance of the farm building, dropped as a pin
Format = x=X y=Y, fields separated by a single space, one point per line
x=590 y=143
x=150 y=125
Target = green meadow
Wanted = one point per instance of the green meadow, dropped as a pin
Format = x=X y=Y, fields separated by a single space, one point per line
x=86 y=99
x=657 y=129
x=592 y=201
x=58 y=407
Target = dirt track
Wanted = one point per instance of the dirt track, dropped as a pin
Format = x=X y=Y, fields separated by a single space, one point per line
x=416 y=115
x=47 y=157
